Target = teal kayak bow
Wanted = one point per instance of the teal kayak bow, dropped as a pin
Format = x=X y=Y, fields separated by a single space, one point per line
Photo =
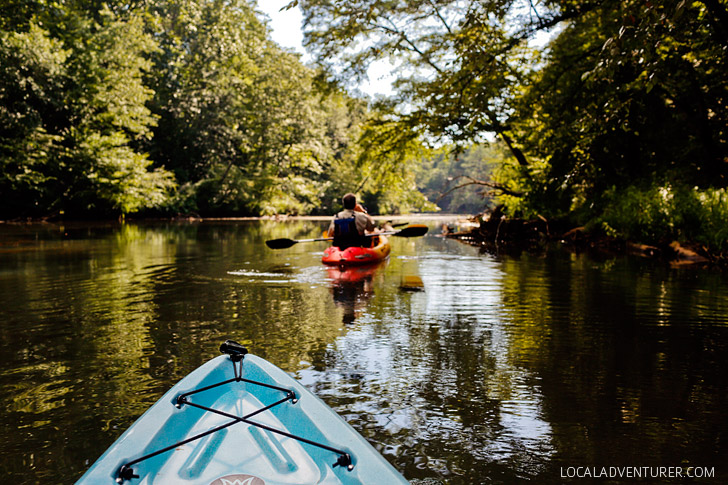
x=239 y=419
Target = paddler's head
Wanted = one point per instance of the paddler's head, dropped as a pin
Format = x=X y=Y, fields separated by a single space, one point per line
x=349 y=201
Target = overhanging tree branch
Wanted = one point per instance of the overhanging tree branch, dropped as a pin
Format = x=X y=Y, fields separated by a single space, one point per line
x=473 y=181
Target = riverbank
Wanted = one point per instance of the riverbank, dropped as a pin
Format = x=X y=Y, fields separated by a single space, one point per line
x=499 y=234
x=196 y=218
x=494 y=233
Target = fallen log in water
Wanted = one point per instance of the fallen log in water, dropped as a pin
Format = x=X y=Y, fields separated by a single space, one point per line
x=500 y=234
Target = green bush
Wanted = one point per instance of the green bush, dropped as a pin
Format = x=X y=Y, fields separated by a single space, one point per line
x=714 y=205
x=658 y=214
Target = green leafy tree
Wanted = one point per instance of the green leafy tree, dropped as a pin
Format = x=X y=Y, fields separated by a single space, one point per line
x=626 y=93
x=245 y=125
x=386 y=167
x=31 y=68
x=73 y=114
x=111 y=119
x=460 y=65
x=629 y=95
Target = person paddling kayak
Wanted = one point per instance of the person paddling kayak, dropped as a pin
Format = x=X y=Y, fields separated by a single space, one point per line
x=349 y=226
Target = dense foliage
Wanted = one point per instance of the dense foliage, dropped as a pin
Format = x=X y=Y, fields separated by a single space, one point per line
x=598 y=110
x=176 y=106
x=632 y=96
x=627 y=99
x=72 y=112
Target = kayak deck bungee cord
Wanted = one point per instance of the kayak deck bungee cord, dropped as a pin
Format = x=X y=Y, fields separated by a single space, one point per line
x=285 y=434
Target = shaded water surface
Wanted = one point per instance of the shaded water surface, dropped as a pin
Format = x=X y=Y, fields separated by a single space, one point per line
x=498 y=370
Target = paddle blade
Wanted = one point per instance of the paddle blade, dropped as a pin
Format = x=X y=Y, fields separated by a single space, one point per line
x=415 y=230
x=280 y=243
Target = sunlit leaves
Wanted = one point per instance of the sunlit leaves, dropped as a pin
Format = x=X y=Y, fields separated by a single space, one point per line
x=243 y=123
x=461 y=63
x=103 y=170
x=31 y=67
x=630 y=95
x=75 y=104
x=626 y=93
x=93 y=92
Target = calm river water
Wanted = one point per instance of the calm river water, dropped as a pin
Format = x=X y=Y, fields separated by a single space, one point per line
x=500 y=370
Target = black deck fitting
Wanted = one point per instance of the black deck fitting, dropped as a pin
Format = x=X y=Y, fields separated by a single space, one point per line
x=233 y=349
x=126 y=473
x=344 y=461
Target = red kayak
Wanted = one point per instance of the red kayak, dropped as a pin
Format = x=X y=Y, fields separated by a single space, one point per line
x=354 y=256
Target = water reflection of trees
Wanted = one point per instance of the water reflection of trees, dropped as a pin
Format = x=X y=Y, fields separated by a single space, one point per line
x=501 y=368
x=510 y=370
x=103 y=320
x=426 y=381
x=626 y=355
x=79 y=332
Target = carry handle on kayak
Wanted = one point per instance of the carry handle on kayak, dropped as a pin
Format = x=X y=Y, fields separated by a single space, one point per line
x=237 y=353
x=233 y=349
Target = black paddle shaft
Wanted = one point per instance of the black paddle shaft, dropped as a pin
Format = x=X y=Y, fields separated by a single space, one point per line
x=414 y=230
